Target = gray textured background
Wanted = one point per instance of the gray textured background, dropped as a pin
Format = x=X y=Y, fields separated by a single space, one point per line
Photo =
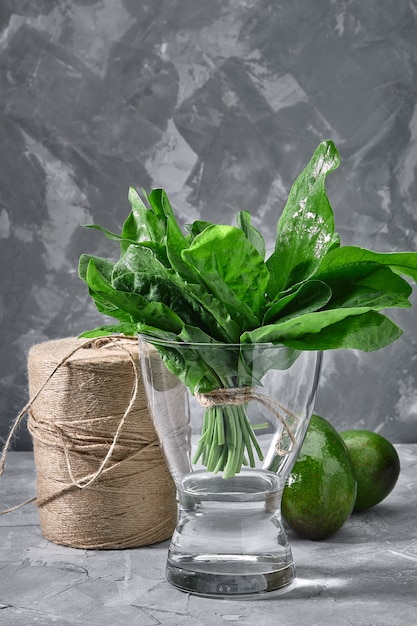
x=221 y=103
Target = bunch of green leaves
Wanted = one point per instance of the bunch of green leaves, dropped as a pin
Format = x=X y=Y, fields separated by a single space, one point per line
x=213 y=284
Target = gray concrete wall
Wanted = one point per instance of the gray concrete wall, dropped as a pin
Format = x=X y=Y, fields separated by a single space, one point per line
x=222 y=104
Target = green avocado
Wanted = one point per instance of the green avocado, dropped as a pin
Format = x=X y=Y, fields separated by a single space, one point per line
x=321 y=489
x=376 y=465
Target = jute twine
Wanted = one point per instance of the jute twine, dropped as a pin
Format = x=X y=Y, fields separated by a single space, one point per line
x=241 y=395
x=102 y=481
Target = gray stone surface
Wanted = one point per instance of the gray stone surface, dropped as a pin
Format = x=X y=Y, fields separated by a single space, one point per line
x=221 y=103
x=364 y=575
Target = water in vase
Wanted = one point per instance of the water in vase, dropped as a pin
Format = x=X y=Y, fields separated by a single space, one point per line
x=229 y=539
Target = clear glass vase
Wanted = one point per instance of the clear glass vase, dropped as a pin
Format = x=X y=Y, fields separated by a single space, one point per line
x=230 y=436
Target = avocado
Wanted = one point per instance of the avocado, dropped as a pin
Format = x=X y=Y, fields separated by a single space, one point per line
x=376 y=464
x=321 y=489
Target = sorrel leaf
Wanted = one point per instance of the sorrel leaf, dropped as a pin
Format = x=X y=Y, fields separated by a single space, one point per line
x=305 y=230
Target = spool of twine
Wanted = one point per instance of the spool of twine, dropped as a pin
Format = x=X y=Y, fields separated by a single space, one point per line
x=102 y=481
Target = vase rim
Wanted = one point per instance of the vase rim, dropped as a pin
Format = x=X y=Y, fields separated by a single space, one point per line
x=217 y=344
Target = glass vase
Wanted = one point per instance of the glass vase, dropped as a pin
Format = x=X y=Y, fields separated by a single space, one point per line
x=230 y=420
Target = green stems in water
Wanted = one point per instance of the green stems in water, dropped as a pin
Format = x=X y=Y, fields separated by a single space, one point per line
x=227 y=440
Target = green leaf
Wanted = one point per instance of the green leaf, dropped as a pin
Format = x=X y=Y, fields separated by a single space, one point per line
x=175 y=240
x=127 y=238
x=123 y=238
x=335 y=243
x=356 y=328
x=175 y=244
x=368 y=332
x=225 y=326
x=305 y=230
x=253 y=235
x=352 y=259
x=139 y=271
x=128 y=306
x=91 y=266
x=139 y=259
x=144 y=224
x=196 y=228
x=134 y=230
x=305 y=298
x=158 y=199
x=104 y=266
x=155 y=289
x=136 y=201
x=199 y=368
x=230 y=266
x=380 y=289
